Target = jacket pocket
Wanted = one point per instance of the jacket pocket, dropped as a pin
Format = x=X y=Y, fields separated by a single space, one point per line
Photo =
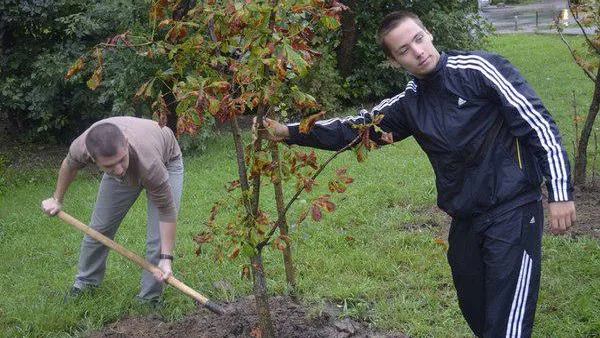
x=498 y=179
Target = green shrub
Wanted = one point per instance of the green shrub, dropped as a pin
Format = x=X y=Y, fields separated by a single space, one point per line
x=41 y=39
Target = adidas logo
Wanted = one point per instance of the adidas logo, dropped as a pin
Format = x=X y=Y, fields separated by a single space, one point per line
x=461 y=101
x=532 y=220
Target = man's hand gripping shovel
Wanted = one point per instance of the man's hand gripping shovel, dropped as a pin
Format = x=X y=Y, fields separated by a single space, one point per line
x=212 y=306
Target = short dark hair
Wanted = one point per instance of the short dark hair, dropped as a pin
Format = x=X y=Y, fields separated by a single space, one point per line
x=391 y=21
x=104 y=139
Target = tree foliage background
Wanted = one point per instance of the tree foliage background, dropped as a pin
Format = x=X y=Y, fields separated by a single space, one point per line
x=454 y=24
x=40 y=39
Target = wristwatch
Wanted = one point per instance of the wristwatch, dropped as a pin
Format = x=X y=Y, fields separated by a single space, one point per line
x=165 y=256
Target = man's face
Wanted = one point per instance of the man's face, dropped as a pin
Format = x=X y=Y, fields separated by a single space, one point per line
x=115 y=165
x=412 y=48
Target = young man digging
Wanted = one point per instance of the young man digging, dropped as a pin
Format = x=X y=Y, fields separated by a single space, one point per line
x=134 y=154
x=490 y=141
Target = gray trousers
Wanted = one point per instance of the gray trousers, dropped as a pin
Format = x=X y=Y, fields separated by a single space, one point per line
x=112 y=203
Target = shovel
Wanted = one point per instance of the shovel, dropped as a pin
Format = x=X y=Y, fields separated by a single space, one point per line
x=212 y=306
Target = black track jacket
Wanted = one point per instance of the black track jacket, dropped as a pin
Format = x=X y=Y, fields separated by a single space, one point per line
x=485 y=131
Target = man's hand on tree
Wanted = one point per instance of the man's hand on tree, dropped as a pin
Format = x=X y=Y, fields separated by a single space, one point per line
x=269 y=130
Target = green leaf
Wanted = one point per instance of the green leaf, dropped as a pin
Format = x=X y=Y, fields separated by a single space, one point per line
x=192 y=81
x=329 y=22
x=248 y=250
x=295 y=60
x=213 y=105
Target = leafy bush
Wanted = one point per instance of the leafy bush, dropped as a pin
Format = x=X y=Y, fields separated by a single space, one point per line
x=40 y=39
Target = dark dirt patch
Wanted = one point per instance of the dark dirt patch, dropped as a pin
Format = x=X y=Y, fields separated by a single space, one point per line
x=292 y=320
x=587 y=204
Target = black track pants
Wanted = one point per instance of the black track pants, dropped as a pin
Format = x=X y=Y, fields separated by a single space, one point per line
x=496 y=270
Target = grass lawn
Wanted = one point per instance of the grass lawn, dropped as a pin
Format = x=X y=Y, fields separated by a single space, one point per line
x=393 y=274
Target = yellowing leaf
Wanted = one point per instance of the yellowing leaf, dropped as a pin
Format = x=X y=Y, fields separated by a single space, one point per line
x=329 y=206
x=78 y=65
x=296 y=61
x=94 y=81
x=330 y=22
x=360 y=152
x=220 y=86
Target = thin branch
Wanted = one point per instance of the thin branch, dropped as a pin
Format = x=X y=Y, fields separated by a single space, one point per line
x=572 y=52
x=104 y=44
x=300 y=190
x=261 y=112
x=587 y=38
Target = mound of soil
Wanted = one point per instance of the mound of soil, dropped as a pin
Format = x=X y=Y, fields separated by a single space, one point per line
x=292 y=320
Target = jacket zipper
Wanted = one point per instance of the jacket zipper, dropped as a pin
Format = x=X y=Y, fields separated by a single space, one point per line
x=519 y=154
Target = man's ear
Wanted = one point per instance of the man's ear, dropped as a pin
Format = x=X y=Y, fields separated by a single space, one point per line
x=393 y=62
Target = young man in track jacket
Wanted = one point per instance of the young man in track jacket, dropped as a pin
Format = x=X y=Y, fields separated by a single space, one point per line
x=491 y=142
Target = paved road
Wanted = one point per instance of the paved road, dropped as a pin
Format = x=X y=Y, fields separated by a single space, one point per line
x=531 y=18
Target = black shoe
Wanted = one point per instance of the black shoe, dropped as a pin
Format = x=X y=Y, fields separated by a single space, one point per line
x=156 y=303
x=77 y=292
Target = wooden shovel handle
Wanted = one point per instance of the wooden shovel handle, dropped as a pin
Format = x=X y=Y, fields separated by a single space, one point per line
x=214 y=307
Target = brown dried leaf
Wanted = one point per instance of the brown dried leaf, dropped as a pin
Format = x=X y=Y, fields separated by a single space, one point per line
x=234 y=253
x=308 y=122
x=315 y=212
x=77 y=66
x=203 y=237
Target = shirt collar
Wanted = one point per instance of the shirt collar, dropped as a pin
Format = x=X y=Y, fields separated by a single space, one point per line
x=435 y=73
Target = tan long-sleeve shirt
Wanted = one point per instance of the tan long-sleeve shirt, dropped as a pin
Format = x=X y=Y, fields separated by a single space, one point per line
x=150 y=149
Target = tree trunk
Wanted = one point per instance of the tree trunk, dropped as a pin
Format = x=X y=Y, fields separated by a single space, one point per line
x=239 y=152
x=347 y=40
x=579 y=176
x=172 y=116
x=290 y=275
x=260 y=297
x=4 y=41
x=258 y=276
x=261 y=110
